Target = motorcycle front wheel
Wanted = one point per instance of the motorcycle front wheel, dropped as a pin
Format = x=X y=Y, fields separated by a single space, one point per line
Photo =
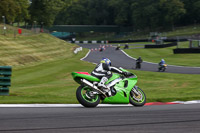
x=85 y=98
x=137 y=99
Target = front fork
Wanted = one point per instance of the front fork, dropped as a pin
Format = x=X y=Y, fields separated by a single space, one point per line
x=135 y=90
x=136 y=94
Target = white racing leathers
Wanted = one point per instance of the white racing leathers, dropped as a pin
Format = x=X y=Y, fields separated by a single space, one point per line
x=104 y=72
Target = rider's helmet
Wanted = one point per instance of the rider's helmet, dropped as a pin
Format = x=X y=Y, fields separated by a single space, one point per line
x=106 y=61
x=162 y=60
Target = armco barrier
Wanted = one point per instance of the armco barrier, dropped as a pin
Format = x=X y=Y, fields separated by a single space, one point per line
x=161 y=46
x=186 y=50
x=147 y=40
x=88 y=42
x=129 y=41
x=5 y=79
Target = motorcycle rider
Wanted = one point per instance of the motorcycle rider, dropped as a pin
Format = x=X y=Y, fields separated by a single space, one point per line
x=138 y=63
x=103 y=71
x=162 y=62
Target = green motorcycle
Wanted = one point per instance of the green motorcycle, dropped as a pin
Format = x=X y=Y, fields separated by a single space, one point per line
x=123 y=90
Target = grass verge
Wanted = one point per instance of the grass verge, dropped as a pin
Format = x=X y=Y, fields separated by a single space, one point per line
x=165 y=87
x=47 y=79
x=156 y=54
x=51 y=82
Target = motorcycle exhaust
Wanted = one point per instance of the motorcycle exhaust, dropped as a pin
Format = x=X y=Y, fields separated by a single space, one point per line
x=92 y=86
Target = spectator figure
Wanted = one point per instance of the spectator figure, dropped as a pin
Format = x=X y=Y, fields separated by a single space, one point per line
x=138 y=63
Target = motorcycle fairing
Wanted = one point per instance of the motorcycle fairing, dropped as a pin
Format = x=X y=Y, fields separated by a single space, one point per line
x=114 y=76
x=79 y=75
x=122 y=95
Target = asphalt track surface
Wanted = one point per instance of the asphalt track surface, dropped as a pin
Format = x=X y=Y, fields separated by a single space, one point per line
x=178 y=118
x=120 y=59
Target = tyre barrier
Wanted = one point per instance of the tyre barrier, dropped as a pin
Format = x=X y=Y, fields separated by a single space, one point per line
x=5 y=79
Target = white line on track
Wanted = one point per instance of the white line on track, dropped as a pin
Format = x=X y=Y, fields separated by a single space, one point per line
x=187 y=102
x=86 y=55
x=79 y=105
x=57 y=105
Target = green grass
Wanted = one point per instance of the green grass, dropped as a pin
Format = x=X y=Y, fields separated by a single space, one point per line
x=12 y=32
x=38 y=70
x=42 y=67
x=28 y=50
x=52 y=83
x=155 y=55
x=164 y=87
x=49 y=82
x=182 y=31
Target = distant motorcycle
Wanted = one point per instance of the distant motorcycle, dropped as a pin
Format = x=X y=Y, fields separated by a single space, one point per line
x=126 y=46
x=101 y=49
x=138 y=65
x=117 y=48
x=162 y=68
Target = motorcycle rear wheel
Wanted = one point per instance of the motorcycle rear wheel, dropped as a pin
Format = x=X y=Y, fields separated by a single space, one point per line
x=137 y=100
x=163 y=69
x=82 y=95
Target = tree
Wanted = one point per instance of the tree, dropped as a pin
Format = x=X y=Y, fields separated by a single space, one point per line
x=145 y=14
x=45 y=11
x=23 y=14
x=196 y=8
x=98 y=12
x=142 y=14
x=122 y=12
x=172 y=10
x=73 y=13
x=9 y=9
x=192 y=12
x=85 y=12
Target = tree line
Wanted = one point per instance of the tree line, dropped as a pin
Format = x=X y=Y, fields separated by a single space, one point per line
x=141 y=14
